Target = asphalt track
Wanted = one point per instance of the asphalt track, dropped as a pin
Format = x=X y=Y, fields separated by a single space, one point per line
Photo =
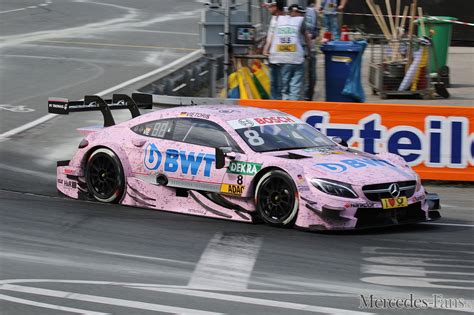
x=61 y=256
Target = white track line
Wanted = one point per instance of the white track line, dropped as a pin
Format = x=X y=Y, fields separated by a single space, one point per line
x=27 y=126
x=227 y=262
x=161 y=32
x=15 y=169
x=424 y=242
x=449 y=224
x=151 y=73
x=257 y=301
x=25 y=8
x=41 y=120
x=169 y=286
x=14 y=10
x=104 y=300
x=46 y=305
x=173 y=261
x=449 y=206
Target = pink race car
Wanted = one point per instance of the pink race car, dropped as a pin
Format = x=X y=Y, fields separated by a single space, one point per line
x=238 y=163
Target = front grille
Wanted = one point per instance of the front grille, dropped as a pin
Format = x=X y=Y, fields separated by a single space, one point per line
x=372 y=217
x=376 y=192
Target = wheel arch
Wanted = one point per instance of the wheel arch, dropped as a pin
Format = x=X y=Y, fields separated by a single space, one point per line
x=292 y=219
x=259 y=175
x=118 y=151
x=122 y=159
x=263 y=171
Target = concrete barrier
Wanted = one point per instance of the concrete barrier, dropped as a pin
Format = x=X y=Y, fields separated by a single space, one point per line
x=185 y=78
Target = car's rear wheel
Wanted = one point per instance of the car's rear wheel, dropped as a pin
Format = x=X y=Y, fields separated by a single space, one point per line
x=104 y=176
x=276 y=199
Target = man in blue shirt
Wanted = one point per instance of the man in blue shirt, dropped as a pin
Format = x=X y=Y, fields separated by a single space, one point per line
x=330 y=9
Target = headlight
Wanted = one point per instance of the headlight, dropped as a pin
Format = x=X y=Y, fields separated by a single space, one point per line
x=335 y=188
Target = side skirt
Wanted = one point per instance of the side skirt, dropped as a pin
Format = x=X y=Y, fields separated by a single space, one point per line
x=146 y=195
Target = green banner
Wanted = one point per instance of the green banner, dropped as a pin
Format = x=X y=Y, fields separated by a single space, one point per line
x=244 y=168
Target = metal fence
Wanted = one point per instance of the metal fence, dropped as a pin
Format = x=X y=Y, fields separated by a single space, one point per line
x=392 y=73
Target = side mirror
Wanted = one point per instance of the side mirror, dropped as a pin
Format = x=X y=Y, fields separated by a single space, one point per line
x=340 y=141
x=222 y=154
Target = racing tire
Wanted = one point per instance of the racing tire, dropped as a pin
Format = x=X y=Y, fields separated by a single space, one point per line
x=104 y=176
x=276 y=199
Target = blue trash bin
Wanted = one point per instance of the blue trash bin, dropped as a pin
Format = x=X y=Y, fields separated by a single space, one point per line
x=340 y=59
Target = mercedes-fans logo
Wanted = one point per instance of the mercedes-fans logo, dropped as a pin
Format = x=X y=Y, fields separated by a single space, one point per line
x=394 y=190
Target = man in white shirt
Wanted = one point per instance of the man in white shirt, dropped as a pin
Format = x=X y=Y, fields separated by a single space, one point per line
x=286 y=50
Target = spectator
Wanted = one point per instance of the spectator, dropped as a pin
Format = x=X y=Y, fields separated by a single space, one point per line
x=276 y=9
x=287 y=49
x=329 y=9
x=342 y=5
x=296 y=10
x=312 y=27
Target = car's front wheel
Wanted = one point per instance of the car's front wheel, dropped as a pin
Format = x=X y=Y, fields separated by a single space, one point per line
x=276 y=199
x=104 y=176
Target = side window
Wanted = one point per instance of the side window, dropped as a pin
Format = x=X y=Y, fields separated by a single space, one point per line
x=202 y=132
x=156 y=129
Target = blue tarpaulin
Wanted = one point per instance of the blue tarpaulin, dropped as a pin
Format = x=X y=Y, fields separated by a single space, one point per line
x=353 y=87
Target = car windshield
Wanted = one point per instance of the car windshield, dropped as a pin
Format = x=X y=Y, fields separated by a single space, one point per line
x=280 y=137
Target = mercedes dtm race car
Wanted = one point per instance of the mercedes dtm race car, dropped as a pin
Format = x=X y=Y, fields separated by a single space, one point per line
x=238 y=163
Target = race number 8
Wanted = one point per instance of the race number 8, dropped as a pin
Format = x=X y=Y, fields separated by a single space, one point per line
x=254 y=138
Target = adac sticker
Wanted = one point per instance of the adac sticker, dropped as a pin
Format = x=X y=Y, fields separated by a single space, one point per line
x=232 y=189
x=178 y=161
x=244 y=168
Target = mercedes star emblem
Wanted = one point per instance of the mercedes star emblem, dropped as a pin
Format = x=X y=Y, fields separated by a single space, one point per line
x=394 y=190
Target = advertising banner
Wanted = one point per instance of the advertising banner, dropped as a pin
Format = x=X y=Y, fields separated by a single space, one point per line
x=437 y=141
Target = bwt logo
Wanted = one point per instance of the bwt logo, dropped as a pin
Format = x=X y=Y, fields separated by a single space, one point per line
x=174 y=161
x=355 y=163
x=444 y=142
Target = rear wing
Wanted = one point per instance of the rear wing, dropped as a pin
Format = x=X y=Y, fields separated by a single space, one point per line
x=63 y=106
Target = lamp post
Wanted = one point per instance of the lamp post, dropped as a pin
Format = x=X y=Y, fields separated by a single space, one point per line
x=226 y=44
